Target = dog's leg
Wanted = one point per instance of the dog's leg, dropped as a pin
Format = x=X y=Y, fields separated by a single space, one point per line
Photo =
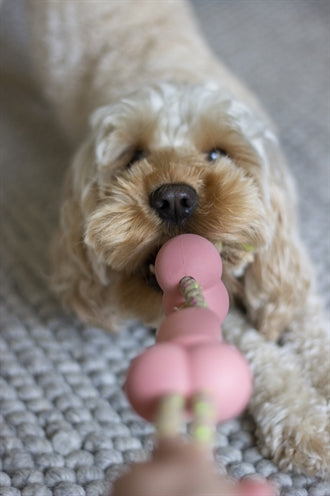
x=291 y=416
x=309 y=338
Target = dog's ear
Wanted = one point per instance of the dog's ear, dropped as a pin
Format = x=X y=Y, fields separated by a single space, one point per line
x=80 y=280
x=113 y=138
x=277 y=283
x=103 y=125
x=94 y=159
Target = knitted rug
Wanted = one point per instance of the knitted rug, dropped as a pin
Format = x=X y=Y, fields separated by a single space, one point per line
x=66 y=428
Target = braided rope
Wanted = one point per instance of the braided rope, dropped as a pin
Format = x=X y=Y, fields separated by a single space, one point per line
x=169 y=415
x=203 y=424
x=192 y=293
x=170 y=409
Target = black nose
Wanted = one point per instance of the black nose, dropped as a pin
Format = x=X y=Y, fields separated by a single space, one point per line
x=175 y=202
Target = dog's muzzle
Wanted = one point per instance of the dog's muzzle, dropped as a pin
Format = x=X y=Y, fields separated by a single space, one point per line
x=174 y=202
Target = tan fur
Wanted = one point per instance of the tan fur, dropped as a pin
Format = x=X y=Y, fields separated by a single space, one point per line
x=143 y=77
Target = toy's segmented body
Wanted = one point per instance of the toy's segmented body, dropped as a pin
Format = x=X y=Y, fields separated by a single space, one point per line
x=190 y=369
x=189 y=372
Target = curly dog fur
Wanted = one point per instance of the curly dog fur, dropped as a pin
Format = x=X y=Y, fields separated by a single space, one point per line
x=138 y=91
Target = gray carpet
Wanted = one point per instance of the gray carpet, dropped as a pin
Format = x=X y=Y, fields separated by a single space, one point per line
x=65 y=426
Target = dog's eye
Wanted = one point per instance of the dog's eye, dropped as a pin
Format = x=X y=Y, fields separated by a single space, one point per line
x=138 y=154
x=215 y=154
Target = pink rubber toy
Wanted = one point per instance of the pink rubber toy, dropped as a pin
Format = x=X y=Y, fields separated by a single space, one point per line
x=189 y=370
x=189 y=357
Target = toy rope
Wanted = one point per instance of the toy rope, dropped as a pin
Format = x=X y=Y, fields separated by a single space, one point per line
x=192 y=293
x=203 y=423
x=170 y=409
x=169 y=415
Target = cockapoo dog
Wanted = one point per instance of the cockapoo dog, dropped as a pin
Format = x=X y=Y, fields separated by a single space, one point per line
x=170 y=142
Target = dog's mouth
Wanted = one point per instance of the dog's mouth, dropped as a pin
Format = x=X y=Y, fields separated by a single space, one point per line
x=148 y=271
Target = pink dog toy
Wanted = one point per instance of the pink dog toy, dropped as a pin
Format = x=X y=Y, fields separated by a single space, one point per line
x=188 y=372
x=189 y=368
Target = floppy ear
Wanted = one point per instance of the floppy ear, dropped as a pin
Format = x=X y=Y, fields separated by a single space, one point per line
x=278 y=281
x=81 y=281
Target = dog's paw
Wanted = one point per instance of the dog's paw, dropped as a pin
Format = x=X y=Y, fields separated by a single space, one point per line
x=291 y=416
x=301 y=444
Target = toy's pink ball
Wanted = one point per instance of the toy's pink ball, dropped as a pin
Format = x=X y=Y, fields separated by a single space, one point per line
x=190 y=326
x=187 y=255
x=162 y=369
x=222 y=371
x=256 y=488
x=215 y=368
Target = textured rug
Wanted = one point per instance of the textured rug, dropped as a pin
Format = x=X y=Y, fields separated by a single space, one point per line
x=66 y=428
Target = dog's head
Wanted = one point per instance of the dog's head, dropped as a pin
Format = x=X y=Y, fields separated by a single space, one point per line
x=167 y=160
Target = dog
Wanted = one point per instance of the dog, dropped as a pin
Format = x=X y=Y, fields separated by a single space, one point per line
x=168 y=141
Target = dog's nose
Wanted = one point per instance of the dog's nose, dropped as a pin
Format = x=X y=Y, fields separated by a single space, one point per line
x=175 y=202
